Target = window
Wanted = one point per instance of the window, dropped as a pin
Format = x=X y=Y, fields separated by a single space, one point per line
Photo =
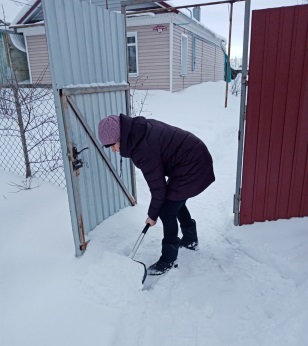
x=132 y=48
x=184 y=40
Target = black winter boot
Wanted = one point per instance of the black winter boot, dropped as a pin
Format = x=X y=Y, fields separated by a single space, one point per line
x=167 y=259
x=190 y=238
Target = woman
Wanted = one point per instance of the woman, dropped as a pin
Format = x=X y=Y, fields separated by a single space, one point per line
x=160 y=150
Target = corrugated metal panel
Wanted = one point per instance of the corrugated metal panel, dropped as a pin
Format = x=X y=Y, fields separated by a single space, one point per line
x=87 y=47
x=87 y=37
x=275 y=166
x=153 y=58
x=38 y=59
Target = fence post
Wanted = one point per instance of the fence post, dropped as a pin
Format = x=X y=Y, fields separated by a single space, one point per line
x=22 y=131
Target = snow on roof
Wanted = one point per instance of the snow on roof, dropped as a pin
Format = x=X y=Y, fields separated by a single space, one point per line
x=25 y=9
x=188 y=13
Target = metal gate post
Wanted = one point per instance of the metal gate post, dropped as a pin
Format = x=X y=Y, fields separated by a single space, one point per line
x=127 y=92
x=237 y=196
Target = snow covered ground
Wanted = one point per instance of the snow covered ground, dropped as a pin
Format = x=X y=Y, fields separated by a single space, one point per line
x=246 y=286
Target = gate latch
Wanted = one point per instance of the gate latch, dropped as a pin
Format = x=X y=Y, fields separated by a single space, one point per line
x=77 y=163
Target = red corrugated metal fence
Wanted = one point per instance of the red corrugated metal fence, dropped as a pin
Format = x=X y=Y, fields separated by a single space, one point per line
x=275 y=164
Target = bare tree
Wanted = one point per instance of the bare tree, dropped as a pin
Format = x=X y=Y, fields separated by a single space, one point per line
x=138 y=99
x=236 y=85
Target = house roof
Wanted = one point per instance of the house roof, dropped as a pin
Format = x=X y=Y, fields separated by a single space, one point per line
x=32 y=15
x=32 y=12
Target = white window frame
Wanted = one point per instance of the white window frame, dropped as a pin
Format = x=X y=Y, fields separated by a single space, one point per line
x=184 y=54
x=134 y=34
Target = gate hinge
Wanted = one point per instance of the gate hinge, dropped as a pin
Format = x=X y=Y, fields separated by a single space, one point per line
x=245 y=113
x=236 y=202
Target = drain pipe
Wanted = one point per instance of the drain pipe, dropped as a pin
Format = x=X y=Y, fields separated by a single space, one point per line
x=229 y=50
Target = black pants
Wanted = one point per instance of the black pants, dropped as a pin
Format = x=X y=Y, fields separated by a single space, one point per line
x=172 y=211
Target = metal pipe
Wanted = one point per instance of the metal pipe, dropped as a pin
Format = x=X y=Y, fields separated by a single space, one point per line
x=237 y=196
x=21 y=26
x=95 y=89
x=128 y=105
x=4 y=31
x=172 y=9
x=228 y=58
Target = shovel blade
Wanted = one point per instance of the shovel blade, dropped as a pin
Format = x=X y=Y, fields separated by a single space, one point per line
x=145 y=271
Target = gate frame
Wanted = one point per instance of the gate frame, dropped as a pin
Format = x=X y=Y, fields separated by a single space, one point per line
x=66 y=102
x=60 y=52
x=260 y=207
x=243 y=103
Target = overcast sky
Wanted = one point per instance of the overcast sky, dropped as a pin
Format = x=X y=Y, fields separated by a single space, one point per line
x=215 y=17
x=11 y=8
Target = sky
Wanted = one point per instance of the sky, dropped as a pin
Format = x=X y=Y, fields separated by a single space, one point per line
x=216 y=17
x=10 y=9
x=245 y=286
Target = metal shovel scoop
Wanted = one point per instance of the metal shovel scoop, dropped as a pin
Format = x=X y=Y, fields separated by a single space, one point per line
x=136 y=247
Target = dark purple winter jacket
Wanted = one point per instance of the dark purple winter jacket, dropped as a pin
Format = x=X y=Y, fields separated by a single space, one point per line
x=160 y=150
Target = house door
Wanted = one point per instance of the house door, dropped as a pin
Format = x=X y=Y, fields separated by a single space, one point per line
x=275 y=161
x=87 y=54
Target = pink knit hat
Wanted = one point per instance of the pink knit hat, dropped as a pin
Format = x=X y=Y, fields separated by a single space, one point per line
x=109 y=130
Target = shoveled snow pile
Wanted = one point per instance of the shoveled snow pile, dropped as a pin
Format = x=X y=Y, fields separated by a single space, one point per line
x=113 y=279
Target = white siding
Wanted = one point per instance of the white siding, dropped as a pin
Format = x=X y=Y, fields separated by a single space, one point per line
x=153 y=55
x=220 y=63
x=38 y=59
x=153 y=58
x=209 y=61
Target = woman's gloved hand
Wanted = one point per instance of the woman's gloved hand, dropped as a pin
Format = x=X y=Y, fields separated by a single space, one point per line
x=150 y=221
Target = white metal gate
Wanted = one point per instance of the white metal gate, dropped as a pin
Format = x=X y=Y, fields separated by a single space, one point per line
x=87 y=53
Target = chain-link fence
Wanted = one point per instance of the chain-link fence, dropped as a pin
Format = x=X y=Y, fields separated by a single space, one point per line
x=29 y=137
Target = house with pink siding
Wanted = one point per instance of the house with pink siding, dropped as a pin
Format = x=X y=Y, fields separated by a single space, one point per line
x=167 y=51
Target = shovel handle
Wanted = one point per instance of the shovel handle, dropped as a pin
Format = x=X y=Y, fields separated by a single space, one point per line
x=147 y=226
x=139 y=241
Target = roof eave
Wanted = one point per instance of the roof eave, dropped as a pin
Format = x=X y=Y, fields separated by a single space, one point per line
x=26 y=15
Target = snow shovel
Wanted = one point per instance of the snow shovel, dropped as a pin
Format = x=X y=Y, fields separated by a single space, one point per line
x=136 y=247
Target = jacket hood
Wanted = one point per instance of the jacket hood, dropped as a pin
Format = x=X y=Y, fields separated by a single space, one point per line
x=132 y=132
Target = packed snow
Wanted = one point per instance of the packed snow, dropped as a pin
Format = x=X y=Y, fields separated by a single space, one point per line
x=246 y=286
